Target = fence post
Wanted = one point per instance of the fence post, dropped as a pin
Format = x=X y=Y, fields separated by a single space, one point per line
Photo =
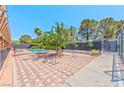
x=123 y=44
x=113 y=66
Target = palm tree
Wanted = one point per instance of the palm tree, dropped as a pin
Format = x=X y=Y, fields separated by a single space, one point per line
x=38 y=32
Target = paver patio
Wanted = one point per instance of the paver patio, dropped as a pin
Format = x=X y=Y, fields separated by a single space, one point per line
x=70 y=70
x=31 y=71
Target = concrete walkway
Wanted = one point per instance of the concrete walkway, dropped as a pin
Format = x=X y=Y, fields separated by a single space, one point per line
x=93 y=74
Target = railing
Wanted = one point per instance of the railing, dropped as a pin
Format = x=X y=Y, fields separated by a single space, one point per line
x=117 y=71
x=114 y=69
x=3 y=55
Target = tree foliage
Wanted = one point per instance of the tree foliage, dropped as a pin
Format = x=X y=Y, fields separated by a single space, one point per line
x=60 y=35
x=38 y=32
x=107 y=26
x=15 y=42
x=57 y=38
x=88 y=26
x=25 y=39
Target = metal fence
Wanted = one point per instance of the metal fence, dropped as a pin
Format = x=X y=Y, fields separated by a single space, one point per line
x=3 y=54
x=109 y=45
x=121 y=45
x=117 y=71
x=22 y=46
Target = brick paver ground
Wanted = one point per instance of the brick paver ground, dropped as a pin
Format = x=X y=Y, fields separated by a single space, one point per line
x=28 y=70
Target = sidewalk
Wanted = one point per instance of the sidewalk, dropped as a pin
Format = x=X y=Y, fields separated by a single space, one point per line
x=93 y=74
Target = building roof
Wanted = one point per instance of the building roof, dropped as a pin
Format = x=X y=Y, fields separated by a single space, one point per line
x=3 y=8
x=4 y=27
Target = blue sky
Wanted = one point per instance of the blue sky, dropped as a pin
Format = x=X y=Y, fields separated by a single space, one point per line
x=23 y=19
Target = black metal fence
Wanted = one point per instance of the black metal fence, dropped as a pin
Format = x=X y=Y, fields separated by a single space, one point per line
x=3 y=54
x=22 y=46
x=109 y=45
x=84 y=46
x=121 y=45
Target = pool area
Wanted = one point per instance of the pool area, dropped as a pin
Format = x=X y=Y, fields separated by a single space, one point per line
x=38 y=50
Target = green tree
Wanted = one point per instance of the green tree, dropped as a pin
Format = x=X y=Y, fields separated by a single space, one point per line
x=25 y=39
x=16 y=42
x=106 y=25
x=57 y=38
x=72 y=32
x=88 y=26
x=38 y=32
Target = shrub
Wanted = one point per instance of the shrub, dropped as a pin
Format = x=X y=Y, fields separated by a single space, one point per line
x=95 y=52
x=35 y=47
x=89 y=44
x=74 y=45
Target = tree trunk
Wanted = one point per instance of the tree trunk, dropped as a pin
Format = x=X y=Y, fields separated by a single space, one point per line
x=87 y=36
